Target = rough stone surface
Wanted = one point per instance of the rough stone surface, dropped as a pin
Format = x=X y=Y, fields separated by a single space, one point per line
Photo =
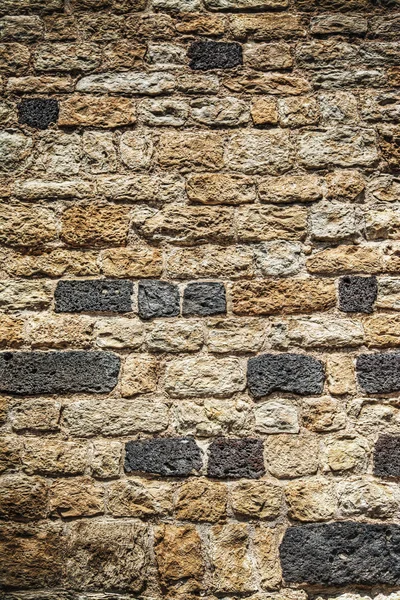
x=289 y=456
x=214 y=55
x=378 y=373
x=158 y=299
x=91 y=295
x=173 y=457
x=232 y=567
x=38 y=113
x=202 y=501
x=204 y=299
x=312 y=500
x=387 y=456
x=257 y=499
x=236 y=458
x=357 y=294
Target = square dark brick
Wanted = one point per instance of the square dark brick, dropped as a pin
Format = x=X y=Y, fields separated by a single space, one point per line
x=38 y=113
x=158 y=299
x=204 y=299
x=379 y=373
x=228 y=458
x=94 y=295
x=215 y=55
x=357 y=294
x=173 y=457
x=387 y=456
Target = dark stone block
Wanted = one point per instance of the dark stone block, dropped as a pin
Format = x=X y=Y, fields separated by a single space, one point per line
x=204 y=299
x=341 y=554
x=387 y=456
x=357 y=294
x=294 y=373
x=58 y=372
x=215 y=55
x=173 y=457
x=236 y=458
x=379 y=373
x=38 y=112
x=158 y=299
x=93 y=295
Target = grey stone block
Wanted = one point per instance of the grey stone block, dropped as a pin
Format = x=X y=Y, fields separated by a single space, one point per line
x=173 y=457
x=38 y=113
x=379 y=373
x=94 y=295
x=158 y=299
x=387 y=456
x=357 y=294
x=204 y=299
x=236 y=458
x=215 y=55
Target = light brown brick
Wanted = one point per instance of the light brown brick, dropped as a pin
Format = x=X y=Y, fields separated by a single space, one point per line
x=95 y=225
x=96 y=111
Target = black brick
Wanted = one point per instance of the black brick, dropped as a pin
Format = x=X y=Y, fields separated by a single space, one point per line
x=341 y=554
x=215 y=55
x=94 y=295
x=174 y=457
x=294 y=373
x=387 y=456
x=357 y=294
x=38 y=112
x=58 y=372
x=236 y=458
x=379 y=373
x=204 y=299
x=158 y=299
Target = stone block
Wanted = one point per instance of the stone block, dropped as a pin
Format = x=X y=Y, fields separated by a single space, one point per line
x=311 y=500
x=38 y=113
x=257 y=499
x=170 y=457
x=387 y=456
x=158 y=299
x=204 y=299
x=23 y=498
x=232 y=567
x=76 y=497
x=201 y=500
x=93 y=295
x=139 y=375
x=94 y=225
x=233 y=459
x=271 y=223
x=139 y=498
x=291 y=455
x=92 y=111
x=214 y=55
x=357 y=294
x=259 y=152
x=209 y=261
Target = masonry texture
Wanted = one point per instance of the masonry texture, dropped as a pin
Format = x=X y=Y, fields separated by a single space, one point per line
x=199 y=299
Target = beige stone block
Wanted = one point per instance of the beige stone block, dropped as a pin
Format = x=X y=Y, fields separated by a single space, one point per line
x=259 y=152
x=191 y=151
x=365 y=497
x=210 y=261
x=201 y=500
x=23 y=498
x=220 y=188
x=346 y=259
x=46 y=84
x=99 y=154
x=123 y=55
x=67 y=57
x=220 y=112
x=232 y=567
x=235 y=335
x=139 y=375
x=264 y=111
x=25 y=295
x=267 y=26
x=200 y=24
x=35 y=414
x=139 y=498
x=175 y=336
x=344 y=147
x=157 y=112
x=323 y=414
x=76 y=497
x=297 y=111
x=267 y=57
x=315 y=332
x=347 y=185
x=15 y=149
x=257 y=499
x=347 y=453
x=179 y=555
x=213 y=417
x=59 y=153
x=288 y=456
x=275 y=84
x=94 y=111
x=118 y=333
x=373 y=419
x=204 y=376
x=290 y=188
x=278 y=258
x=340 y=374
x=311 y=500
x=388 y=293
x=91 y=225
x=105 y=461
x=136 y=150
x=10 y=452
x=276 y=416
x=52 y=456
x=269 y=223
x=38 y=189
x=11 y=332
x=27 y=226
x=193 y=83
x=140 y=261
x=141 y=187
x=14 y=58
x=382 y=330
x=266 y=550
x=130 y=82
x=282 y=296
x=332 y=222
x=337 y=107
x=51 y=263
x=59 y=331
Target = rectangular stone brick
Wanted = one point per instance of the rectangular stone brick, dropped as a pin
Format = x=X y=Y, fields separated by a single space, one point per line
x=53 y=331
x=92 y=111
x=37 y=189
x=48 y=263
x=25 y=295
x=219 y=188
x=210 y=261
x=266 y=57
x=27 y=226
x=213 y=417
x=53 y=457
x=267 y=26
x=66 y=57
x=172 y=457
x=345 y=147
x=152 y=84
x=388 y=293
x=93 y=295
x=14 y=58
x=290 y=188
x=328 y=332
x=259 y=152
x=16 y=7
x=138 y=261
x=58 y=372
x=234 y=459
x=95 y=225
x=287 y=296
x=268 y=83
x=35 y=414
x=379 y=373
x=42 y=85
x=382 y=223
x=191 y=151
x=264 y=223
x=346 y=259
x=28 y=29
x=236 y=574
x=142 y=187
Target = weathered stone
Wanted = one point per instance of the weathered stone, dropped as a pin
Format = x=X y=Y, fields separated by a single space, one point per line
x=347 y=453
x=58 y=372
x=267 y=57
x=14 y=58
x=105 y=461
x=339 y=554
x=160 y=112
x=174 y=457
x=87 y=418
x=59 y=153
x=211 y=418
x=271 y=223
x=323 y=414
x=23 y=498
x=219 y=112
x=214 y=55
x=344 y=147
x=20 y=295
x=93 y=295
x=201 y=500
x=298 y=111
x=94 y=225
x=178 y=552
x=77 y=497
x=152 y=84
x=278 y=258
x=314 y=332
x=267 y=26
x=338 y=107
x=119 y=333
x=53 y=457
x=123 y=55
x=243 y=5
x=346 y=259
x=39 y=415
x=234 y=459
x=158 y=299
x=388 y=293
x=200 y=24
x=210 y=261
x=363 y=497
x=15 y=148
x=290 y=188
x=15 y=7
x=387 y=456
x=204 y=299
x=373 y=419
x=49 y=263
x=96 y=112
x=288 y=456
x=219 y=188
x=232 y=568
x=119 y=550
x=354 y=78
x=38 y=113
x=284 y=296
x=384 y=188
x=67 y=57
x=340 y=374
x=338 y=24
x=264 y=111
x=235 y=335
x=99 y=154
x=257 y=499
x=139 y=498
x=266 y=551
x=10 y=453
x=382 y=330
x=311 y=500
x=59 y=331
x=357 y=294
x=27 y=226
x=276 y=417
x=204 y=376
x=37 y=189
x=137 y=261
x=259 y=152
x=136 y=150
x=192 y=151
x=196 y=83
x=333 y=53
x=165 y=56
x=175 y=336
x=150 y=26
x=139 y=375
x=11 y=332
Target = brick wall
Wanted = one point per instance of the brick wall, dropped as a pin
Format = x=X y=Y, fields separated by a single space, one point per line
x=199 y=295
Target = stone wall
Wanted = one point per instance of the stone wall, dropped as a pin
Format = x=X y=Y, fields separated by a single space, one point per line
x=200 y=295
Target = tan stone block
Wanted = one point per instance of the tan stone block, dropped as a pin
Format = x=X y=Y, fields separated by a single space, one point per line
x=315 y=332
x=346 y=185
x=298 y=111
x=76 y=497
x=123 y=55
x=29 y=226
x=35 y=414
x=290 y=188
x=232 y=567
x=210 y=261
x=267 y=57
x=236 y=335
x=201 y=500
x=38 y=189
x=394 y=76
x=323 y=414
x=363 y=497
x=99 y=154
x=139 y=498
x=62 y=56
x=179 y=555
x=278 y=258
x=262 y=27
x=384 y=188
x=139 y=375
x=175 y=336
x=141 y=187
x=31 y=555
x=283 y=296
x=347 y=453
x=94 y=111
x=334 y=221
x=59 y=28
x=10 y=452
x=191 y=150
x=259 y=152
x=51 y=456
x=46 y=84
x=228 y=111
x=194 y=83
x=289 y=456
x=264 y=111
x=23 y=498
x=140 y=261
x=15 y=149
x=311 y=500
x=204 y=376
x=120 y=551
x=136 y=150
x=59 y=331
x=213 y=417
x=11 y=332
x=200 y=24
x=340 y=374
x=105 y=461
x=346 y=259
x=189 y=225
x=382 y=330
x=25 y=295
x=14 y=58
x=266 y=549
x=58 y=153
x=388 y=293
x=267 y=223
x=119 y=333
x=267 y=83
x=51 y=263
x=338 y=107
x=220 y=188
x=93 y=225
x=257 y=499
